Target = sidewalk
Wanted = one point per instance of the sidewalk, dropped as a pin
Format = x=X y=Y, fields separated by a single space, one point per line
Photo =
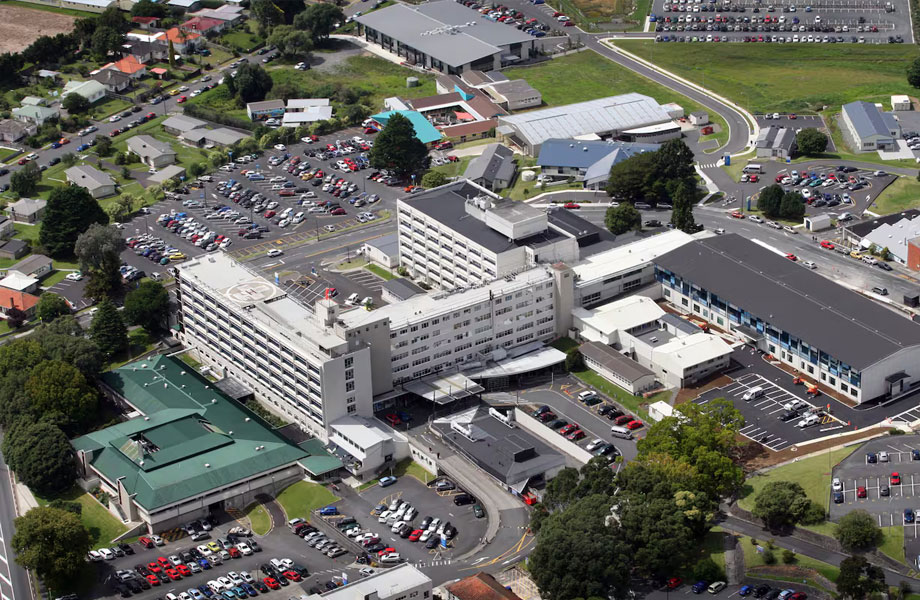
x=25 y=501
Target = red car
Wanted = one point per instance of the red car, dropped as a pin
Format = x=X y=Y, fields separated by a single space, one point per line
x=792 y=116
x=861 y=492
x=623 y=420
x=164 y=562
x=292 y=575
x=634 y=424
x=146 y=542
x=754 y=179
x=269 y=214
x=153 y=579
x=173 y=574
x=571 y=205
x=674 y=583
x=828 y=245
x=737 y=215
x=272 y=583
x=114 y=132
x=895 y=478
x=23 y=161
x=63 y=141
x=181 y=99
x=393 y=419
x=415 y=535
x=792 y=257
x=338 y=211
x=576 y=435
x=444 y=146
x=568 y=429
x=286 y=192
x=234 y=553
x=369 y=131
x=184 y=571
x=151 y=115
x=153 y=567
x=386 y=551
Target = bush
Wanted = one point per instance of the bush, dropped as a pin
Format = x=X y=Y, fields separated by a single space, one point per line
x=707 y=570
x=768 y=557
x=788 y=557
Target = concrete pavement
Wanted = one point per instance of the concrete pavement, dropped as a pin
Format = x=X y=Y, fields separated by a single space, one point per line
x=14 y=580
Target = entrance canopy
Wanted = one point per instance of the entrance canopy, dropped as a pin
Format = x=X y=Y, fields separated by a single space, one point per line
x=444 y=389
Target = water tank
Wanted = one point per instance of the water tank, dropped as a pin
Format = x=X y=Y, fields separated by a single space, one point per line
x=528 y=175
x=411 y=82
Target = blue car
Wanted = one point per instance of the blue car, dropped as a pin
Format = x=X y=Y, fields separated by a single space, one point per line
x=404 y=416
x=250 y=590
x=205 y=563
x=385 y=481
x=228 y=595
x=82 y=147
x=908 y=515
x=240 y=593
x=328 y=511
x=208 y=592
x=699 y=587
x=746 y=590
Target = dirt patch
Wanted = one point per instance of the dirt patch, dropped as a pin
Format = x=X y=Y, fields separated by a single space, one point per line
x=20 y=26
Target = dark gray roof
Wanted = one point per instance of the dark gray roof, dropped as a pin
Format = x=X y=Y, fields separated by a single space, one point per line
x=517 y=89
x=581 y=154
x=581 y=229
x=830 y=317
x=680 y=324
x=402 y=288
x=776 y=137
x=496 y=162
x=32 y=263
x=615 y=361
x=867 y=119
x=388 y=244
x=864 y=228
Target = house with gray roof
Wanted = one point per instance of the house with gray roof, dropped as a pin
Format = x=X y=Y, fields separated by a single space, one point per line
x=776 y=142
x=179 y=124
x=12 y=130
x=588 y=161
x=36 y=114
x=152 y=151
x=439 y=36
x=870 y=128
x=221 y=136
x=514 y=95
x=113 y=80
x=98 y=184
x=165 y=174
x=27 y=210
x=493 y=169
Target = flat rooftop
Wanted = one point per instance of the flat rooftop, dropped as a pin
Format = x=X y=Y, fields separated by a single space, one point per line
x=827 y=316
x=629 y=256
x=385 y=584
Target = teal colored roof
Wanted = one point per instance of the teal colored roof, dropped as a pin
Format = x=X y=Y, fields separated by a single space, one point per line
x=319 y=462
x=190 y=437
x=424 y=131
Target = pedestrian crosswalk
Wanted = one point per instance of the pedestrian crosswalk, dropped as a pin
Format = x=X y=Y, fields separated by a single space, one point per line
x=433 y=563
x=708 y=165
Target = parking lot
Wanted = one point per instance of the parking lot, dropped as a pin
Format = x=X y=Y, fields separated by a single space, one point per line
x=772 y=418
x=796 y=122
x=369 y=505
x=785 y=21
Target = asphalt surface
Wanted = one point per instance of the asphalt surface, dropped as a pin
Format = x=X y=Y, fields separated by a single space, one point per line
x=14 y=581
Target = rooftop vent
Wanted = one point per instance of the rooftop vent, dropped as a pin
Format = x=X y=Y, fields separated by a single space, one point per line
x=246 y=419
x=207 y=465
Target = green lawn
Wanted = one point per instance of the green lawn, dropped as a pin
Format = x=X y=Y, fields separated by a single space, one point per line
x=380 y=272
x=259 y=519
x=303 y=497
x=102 y=526
x=893 y=545
x=565 y=344
x=80 y=14
x=455 y=169
x=598 y=79
x=629 y=401
x=7 y=153
x=56 y=277
x=109 y=106
x=412 y=468
x=813 y=474
x=786 y=77
x=902 y=194
x=243 y=37
x=753 y=558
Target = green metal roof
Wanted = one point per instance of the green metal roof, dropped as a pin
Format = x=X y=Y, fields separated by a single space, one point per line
x=190 y=437
x=320 y=461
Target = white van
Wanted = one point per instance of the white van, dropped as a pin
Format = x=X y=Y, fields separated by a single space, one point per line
x=352 y=299
x=621 y=432
x=754 y=392
x=752 y=168
x=808 y=421
x=586 y=395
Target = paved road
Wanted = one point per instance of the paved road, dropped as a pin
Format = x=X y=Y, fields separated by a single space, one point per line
x=14 y=581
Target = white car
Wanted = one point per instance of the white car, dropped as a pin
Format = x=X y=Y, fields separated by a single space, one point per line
x=235 y=577
x=106 y=553
x=75 y=276
x=594 y=444
x=225 y=583
x=157 y=540
x=384 y=516
x=205 y=551
x=883 y=456
x=280 y=147
x=226 y=243
x=329 y=228
x=275 y=252
x=284 y=223
x=789 y=229
x=215 y=586
x=794 y=404
x=810 y=264
x=245 y=574
x=114 y=118
x=837 y=485
x=245 y=550
x=756 y=219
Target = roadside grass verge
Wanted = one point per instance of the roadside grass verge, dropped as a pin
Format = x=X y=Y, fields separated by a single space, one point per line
x=902 y=194
x=103 y=527
x=380 y=272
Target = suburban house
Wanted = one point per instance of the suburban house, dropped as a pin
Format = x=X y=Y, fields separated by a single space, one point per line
x=19 y=282
x=152 y=151
x=167 y=173
x=588 y=161
x=33 y=101
x=37 y=266
x=98 y=184
x=233 y=15
x=34 y=113
x=27 y=210
x=114 y=81
x=205 y=25
x=6 y=228
x=514 y=95
x=775 y=142
x=91 y=90
x=220 y=136
x=180 y=124
x=493 y=169
x=147 y=51
x=186 y=5
x=146 y=22
x=13 y=131
x=10 y=299
x=184 y=42
x=13 y=249
x=128 y=65
x=869 y=127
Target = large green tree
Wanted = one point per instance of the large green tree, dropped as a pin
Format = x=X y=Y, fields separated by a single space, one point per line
x=291 y=43
x=41 y=456
x=578 y=556
x=769 y=201
x=147 y=305
x=58 y=392
x=106 y=42
x=674 y=160
x=75 y=104
x=810 y=141
x=858 y=531
x=99 y=251
x=20 y=355
x=53 y=543
x=397 y=148
x=913 y=73
x=629 y=178
x=63 y=339
x=623 y=218
x=252 y=82
x=149 y=8
x=859 y=578
x=25 y=181
x=320 y=20
x=792 y=206
x=108 y=331
x=70 y=212
x=781 y=504
x=433 y=179
x=682 y=208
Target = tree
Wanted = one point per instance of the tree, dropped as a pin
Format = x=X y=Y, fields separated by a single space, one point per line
x=114 y=18
x=99 y=252
x=292 y=43
x=792 y=206
x=51 y=306
x=397 y=148
x=433 y=179
x=320 y=20
x=574 y=361
x=16 y=317
x=706 y=569
x=75 y=104
x=354 y=114
x=171 y=50
x=913 y=73
x=108 y=331
x=63 y=339
x=69 y=212
x=674 y=160
x=42 y=457
x=69 y=158
x=578 y=556
x=59 y=393
x=252 y=82
x=148 y=8
x=859 y=578
x=20 y=355
x=106 y=40
x=781 y=504
x=53 y=543
x=25 y=181
x=623 y=218
x=629 y=178
x=660 y=537
x=147 y=306
x=682 y=211
x=196 y=169
x=858 y=531
x=810 y=141
x=769 y=201
x=103 y=145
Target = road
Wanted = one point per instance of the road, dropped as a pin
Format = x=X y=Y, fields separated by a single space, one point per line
x=14 y=581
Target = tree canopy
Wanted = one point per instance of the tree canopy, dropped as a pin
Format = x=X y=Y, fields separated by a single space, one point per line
x=320 y=20
x=858 y=531
x=682 y=208
x=433 y=179
x=292 y=43
x=623 y=218
x=654 y=176
x=60 y=393
x=147 y=305
x=69 y=212
x=41 y=456
x=782 y=504
x=75 y=104
x=53 y=543
x=149 y=8
x=859 y=578
x=811 y=142
x=397 y=148
x=770 y=199
x=25 y=181
x=913 y=73
x=108 y=331
x=99 y=251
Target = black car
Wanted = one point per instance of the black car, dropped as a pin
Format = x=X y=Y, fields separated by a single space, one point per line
x=432 y=542
x=558 y=424
x=406 y=531
x=541 y=410
x=883 y=266
x=653 y=223
x=282 y=580
x=127 y=549
x=134 y=586
x=838 y=497
x=315 y=590
x=884 y=491
x=141 y=570
x=761 y=590
x=123 y=591
x=464 y=499
x=602 y=411
x=259 y=585
x=375 y=547
x=789 y=415
x=330 y=585
x=871 y=457
x=614 y=413
x=606 y=449
x=267 y=569
x=300 y=570
x=773 y=594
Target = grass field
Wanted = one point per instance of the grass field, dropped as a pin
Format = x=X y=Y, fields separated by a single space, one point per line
x=902 y=194
x=380 y=272
x=303 y=497
x=454 y=169
x=102 y=526
x=402 y=468
x=259 y=519
x=80 y=14
x=893 y=545
x=786 y=77
x=598 y=79
x=813 y=474
x=754 y=558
